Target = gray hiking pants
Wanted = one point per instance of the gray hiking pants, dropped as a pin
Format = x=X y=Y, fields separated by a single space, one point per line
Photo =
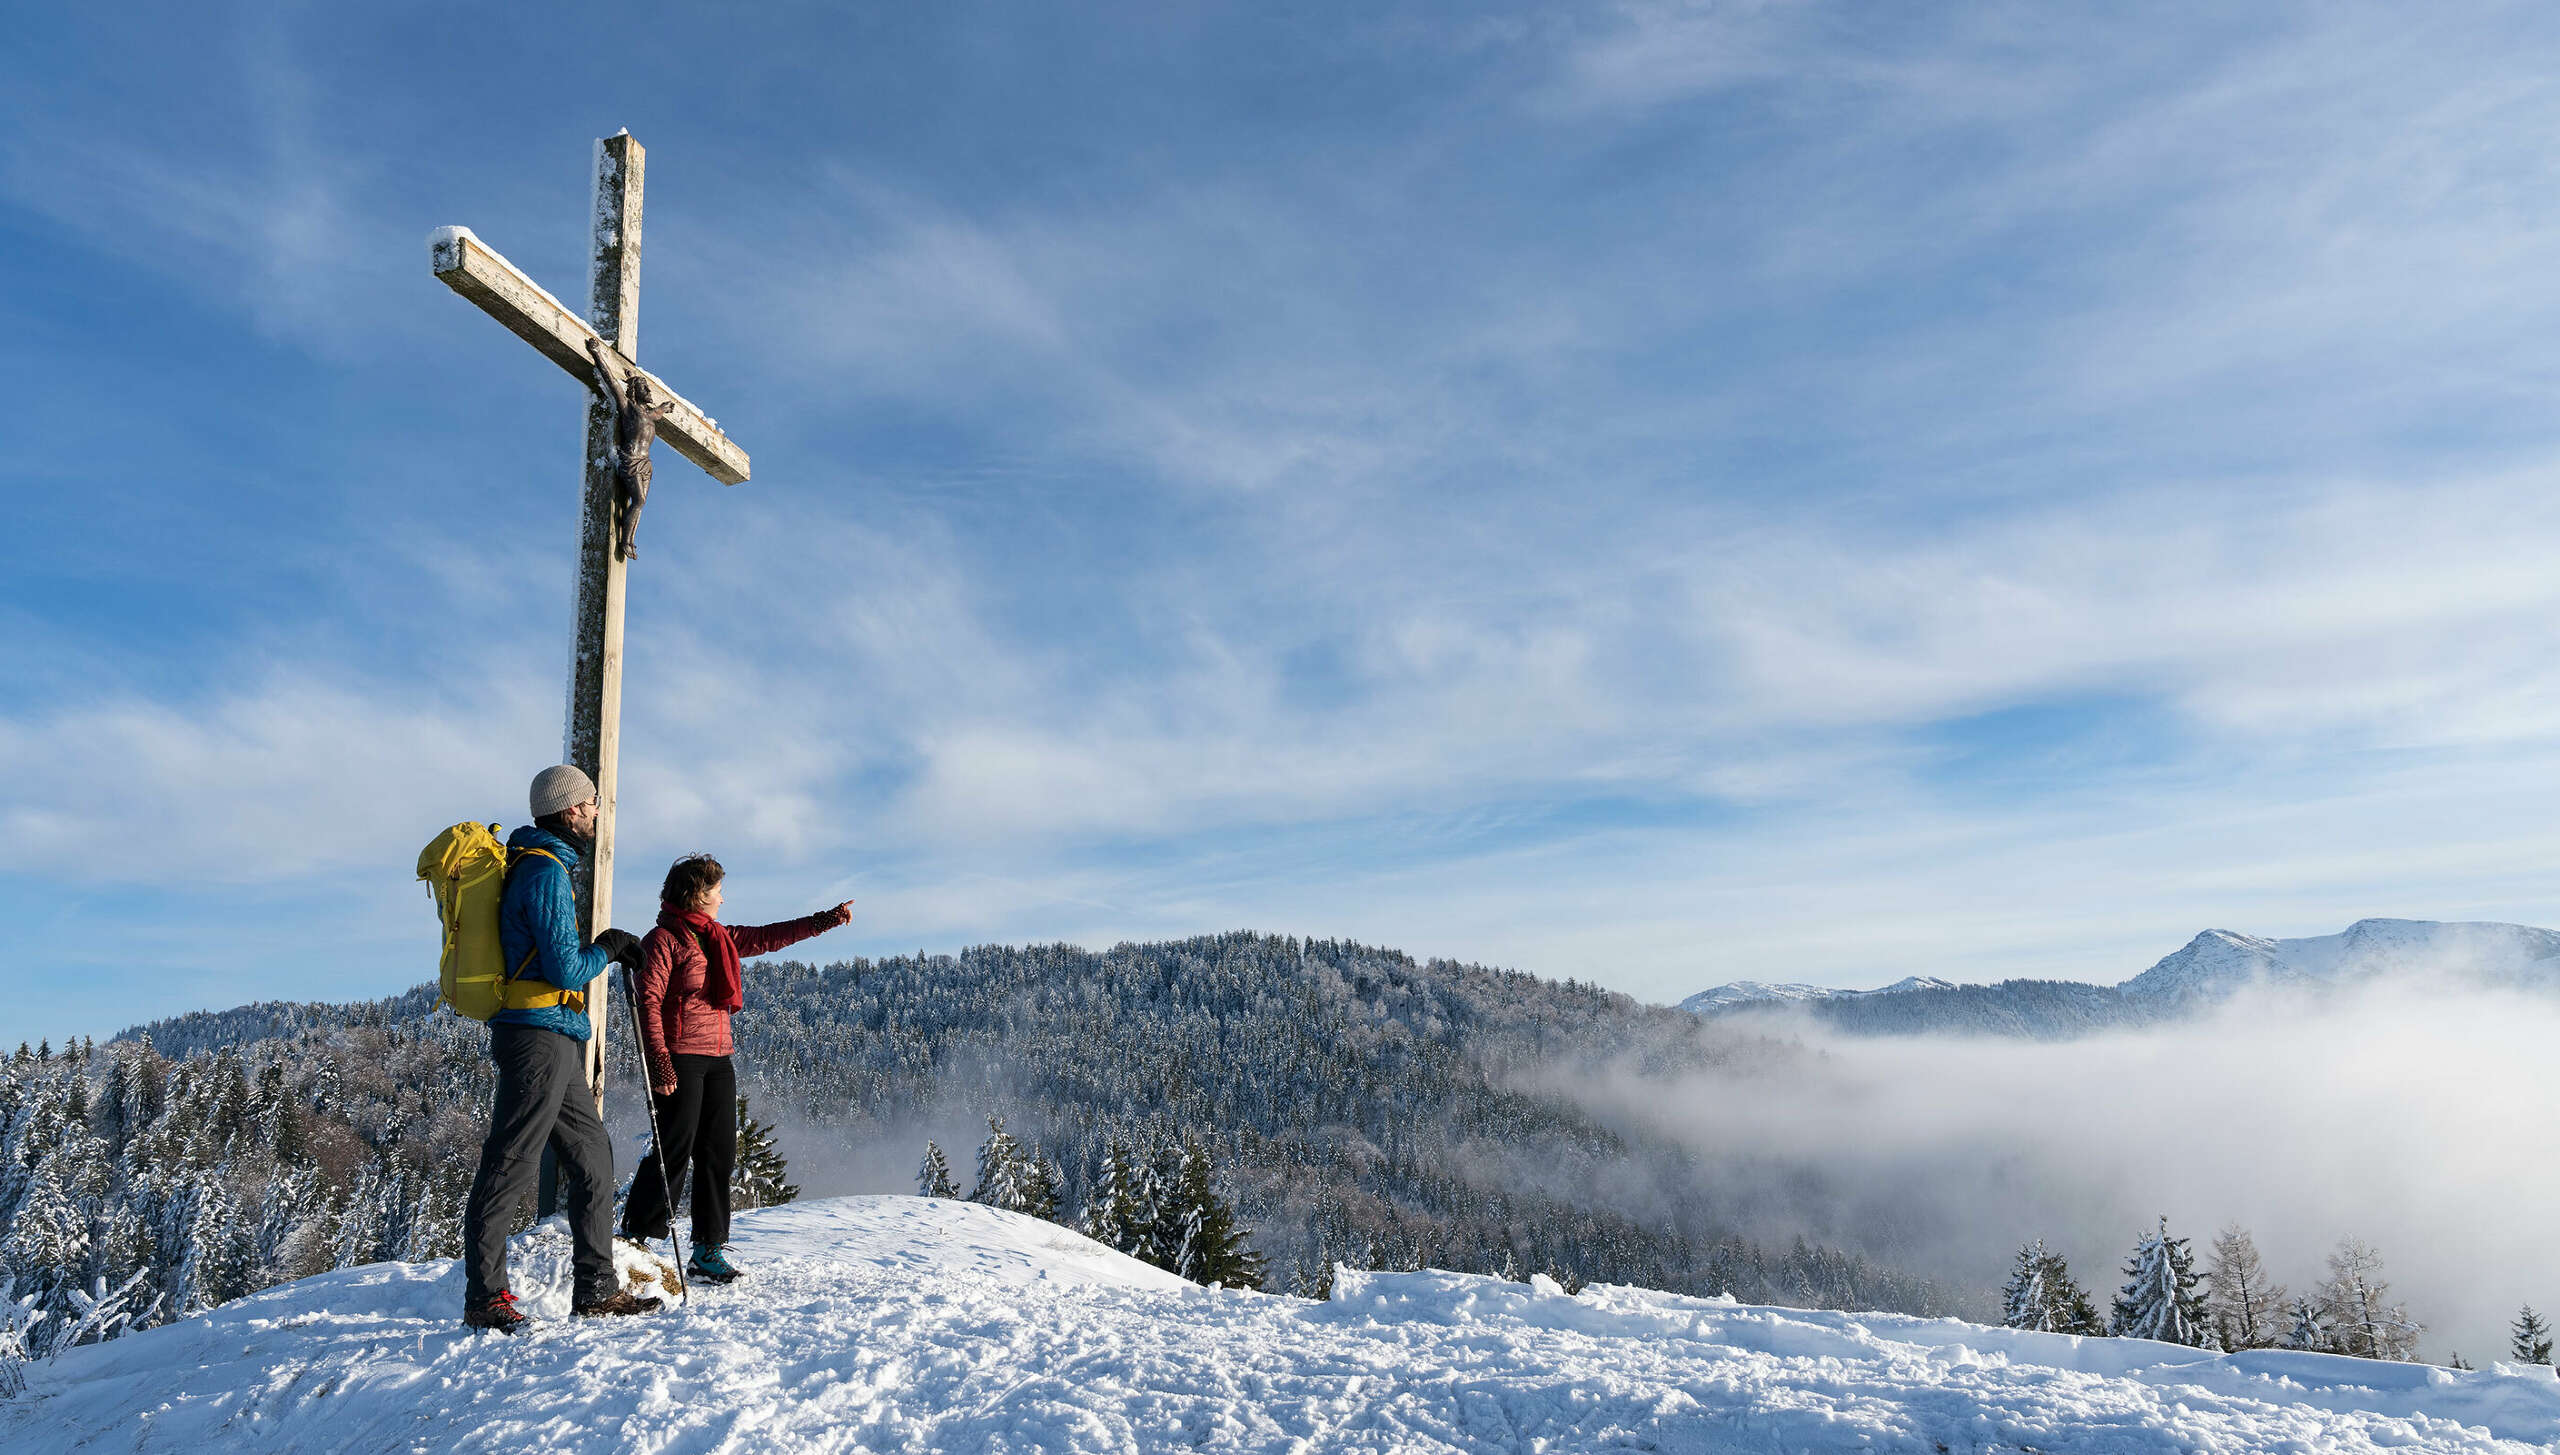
x=542 y=1097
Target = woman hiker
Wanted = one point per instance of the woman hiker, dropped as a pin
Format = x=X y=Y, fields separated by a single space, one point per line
x=688 y=988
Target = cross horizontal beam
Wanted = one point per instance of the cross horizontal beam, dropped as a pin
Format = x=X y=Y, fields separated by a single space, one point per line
x=473 y=269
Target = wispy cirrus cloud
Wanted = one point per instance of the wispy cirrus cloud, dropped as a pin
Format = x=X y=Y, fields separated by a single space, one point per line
x=245 y=197
x=275 y=779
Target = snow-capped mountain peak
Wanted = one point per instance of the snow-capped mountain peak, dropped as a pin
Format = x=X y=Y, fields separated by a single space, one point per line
x=2213 y=963
x=2219 y=962
x=1751 y=992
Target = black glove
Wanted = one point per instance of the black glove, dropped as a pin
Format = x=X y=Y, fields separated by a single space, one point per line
x=621 y=946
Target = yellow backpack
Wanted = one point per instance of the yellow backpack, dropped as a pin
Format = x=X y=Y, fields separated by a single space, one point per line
x=466 y=870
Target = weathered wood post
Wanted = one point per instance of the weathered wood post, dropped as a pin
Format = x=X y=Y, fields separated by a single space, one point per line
x=595 y=682
x=593 y=739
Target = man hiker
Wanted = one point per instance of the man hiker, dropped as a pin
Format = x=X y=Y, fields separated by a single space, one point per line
x=538 y=1040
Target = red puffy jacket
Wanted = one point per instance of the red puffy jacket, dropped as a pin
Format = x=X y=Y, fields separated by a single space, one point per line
x=675 y=1019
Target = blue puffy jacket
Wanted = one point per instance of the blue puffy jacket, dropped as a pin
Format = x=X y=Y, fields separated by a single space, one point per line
x=539 y=912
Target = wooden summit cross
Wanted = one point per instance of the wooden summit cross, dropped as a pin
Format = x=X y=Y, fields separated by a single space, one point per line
x=469 y=267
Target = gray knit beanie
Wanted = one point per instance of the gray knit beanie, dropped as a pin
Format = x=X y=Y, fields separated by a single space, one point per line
x=557 y=788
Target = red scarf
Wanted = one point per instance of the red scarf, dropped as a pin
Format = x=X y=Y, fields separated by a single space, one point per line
x=720 y=984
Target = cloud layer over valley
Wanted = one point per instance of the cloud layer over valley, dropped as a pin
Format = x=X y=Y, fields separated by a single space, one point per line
x=2413 y=1116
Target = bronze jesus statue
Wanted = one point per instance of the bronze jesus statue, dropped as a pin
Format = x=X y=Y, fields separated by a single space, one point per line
x=636 y=412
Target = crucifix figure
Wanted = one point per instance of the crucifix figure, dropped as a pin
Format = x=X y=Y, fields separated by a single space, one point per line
x=636 y=415
x=627 y=407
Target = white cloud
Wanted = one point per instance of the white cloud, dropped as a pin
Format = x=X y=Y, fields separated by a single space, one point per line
x=1644 y=52
x=2395 y=1115
x=291 y=776
x=2399 y=613
x=247 y=200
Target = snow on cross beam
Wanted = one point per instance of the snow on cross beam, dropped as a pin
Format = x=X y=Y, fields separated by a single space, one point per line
x=478 y=272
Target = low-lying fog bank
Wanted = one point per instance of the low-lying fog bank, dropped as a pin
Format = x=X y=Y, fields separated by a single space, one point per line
x=2424 y=1122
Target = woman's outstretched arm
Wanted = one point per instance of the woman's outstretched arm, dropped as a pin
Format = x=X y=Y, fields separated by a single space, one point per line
x=754 y=940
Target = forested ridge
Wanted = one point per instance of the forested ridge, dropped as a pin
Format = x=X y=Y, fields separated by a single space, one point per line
x=2053 y=1010
x=1361 y=1106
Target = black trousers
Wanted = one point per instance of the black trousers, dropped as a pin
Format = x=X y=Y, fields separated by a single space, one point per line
x=542 y=1098
x=697 y=1122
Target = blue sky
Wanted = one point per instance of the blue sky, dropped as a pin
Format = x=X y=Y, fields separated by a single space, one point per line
x=1653 y=493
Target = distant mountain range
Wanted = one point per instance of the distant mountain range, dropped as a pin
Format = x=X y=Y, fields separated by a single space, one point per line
x=1745 y=993
x=2209 y=969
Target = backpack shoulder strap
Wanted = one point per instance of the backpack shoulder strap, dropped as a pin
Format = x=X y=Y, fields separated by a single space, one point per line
x=517 y=856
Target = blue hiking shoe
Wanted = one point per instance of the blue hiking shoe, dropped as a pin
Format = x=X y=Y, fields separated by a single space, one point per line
x=710 y=1263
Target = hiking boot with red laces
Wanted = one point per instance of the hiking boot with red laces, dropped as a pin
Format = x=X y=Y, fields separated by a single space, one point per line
x=622 y=1302
x=499 y=1313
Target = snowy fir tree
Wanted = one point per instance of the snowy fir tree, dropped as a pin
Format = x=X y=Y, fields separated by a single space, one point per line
x=1165 y=1209
x=1312 y=1281
x=1004 y=1169
x=2024 y=1303
x=1111 y=1216
x=933 y=1174
x=1153 y=1235
x=1043 y=1185
x=761 y=1177
x=283 y=1245
x=2246 y=1307
x=2357 y=1309
x=2160 y=1299
x=2529 y=1338
x=2042 y=1295
x=359 y=1222
x=1208 y=1247
x=2305 y=1329
x=215 y=1251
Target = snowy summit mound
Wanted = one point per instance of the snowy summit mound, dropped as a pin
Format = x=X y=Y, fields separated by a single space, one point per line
x=893 y=1323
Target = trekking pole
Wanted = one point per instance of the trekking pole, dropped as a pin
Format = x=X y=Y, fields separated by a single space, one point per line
x=657 y=1142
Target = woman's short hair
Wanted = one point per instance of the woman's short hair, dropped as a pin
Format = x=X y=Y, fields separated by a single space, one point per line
x=690 y=878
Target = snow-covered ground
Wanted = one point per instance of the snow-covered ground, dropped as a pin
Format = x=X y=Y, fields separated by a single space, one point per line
x=892 y=1323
